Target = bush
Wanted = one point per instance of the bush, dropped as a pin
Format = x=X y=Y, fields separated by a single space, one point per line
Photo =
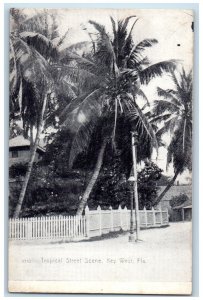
x=178 y=200
x=17 y=170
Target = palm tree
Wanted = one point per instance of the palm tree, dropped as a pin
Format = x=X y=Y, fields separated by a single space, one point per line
x=115 y=71
x=34 y=82
x=175 y=112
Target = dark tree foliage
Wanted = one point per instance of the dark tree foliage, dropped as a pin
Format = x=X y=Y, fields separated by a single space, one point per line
x=164 y=180
x=178 y=200
x=55 y=189
x=47 y=193
x=147 y=188
x=112 y=188
x=17 y=170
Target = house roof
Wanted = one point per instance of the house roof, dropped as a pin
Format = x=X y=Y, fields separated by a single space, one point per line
x=20 y=141
x=175 y=191
x=186 y=204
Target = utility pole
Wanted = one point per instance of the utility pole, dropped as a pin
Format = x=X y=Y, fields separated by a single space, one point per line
x=134 y=137
x=131 y=181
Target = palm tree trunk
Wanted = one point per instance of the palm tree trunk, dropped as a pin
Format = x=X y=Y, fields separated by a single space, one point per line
x=93 y=179
x=31 y=140
x=170 y=184
x=30 y=164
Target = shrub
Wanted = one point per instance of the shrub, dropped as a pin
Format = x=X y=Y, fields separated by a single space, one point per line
x=178 y=200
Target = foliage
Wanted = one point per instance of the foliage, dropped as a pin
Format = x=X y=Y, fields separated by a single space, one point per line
x=147 y=187
x=175 y=112
x=178 y=200
x=33 y=83
x=57 y=191
x=17 y=170
x=108 y=85
x=164 y=180
x=112 y=188
x=117 y=66
x=36 y=69
x=47 y=192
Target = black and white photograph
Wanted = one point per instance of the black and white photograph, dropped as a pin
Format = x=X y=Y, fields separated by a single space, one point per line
x=100 y=151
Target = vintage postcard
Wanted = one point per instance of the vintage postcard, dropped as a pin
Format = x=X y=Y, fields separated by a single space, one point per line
x=100 y=151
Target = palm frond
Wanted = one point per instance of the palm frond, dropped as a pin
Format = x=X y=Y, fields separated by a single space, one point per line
x=115 y=39
x=140 y=93
x=164 y=106
x=62 y=39
x=113 y=26
x=143 y=45
x=89 y=105
x=160 y=118
x=138 y=118
x=42 y=44
x=135 y=56
x=81 y=140
x=128 y=39
x=169 y=126
x=84 y=63
x=169 y=94
x=98 y=26
x=181 y=158
x=13 y=69
x=105 y=54
x=125 y=22
x=78 y=46
x=157 y=69
x=30 y=60
x=66 y=88
x=183 y=86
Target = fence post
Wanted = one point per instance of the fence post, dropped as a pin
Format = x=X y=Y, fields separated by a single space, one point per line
x=167 y=216
x=111 y=218
x=29 y=229
x=126 y=218
x=145 y=216
x=100 y=219
x=121 y=220
x=154 y=217
x=87 y=216
x=161 y=217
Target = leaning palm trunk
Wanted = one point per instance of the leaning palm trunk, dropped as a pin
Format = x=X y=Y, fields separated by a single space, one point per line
x=30 y=164
x=93 y=179
x=170 y=184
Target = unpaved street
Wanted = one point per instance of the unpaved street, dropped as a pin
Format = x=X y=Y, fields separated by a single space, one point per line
x=163 y=255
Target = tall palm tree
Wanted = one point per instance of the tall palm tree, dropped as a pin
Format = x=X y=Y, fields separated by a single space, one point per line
x=34 y=82
x=116 y=69
x=175 y=112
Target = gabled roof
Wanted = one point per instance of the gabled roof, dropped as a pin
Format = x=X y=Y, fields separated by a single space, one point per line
x=20 y=141
x=175 y=191
x=186 y=204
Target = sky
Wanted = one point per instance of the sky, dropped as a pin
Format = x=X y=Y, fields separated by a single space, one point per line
x=171 y=27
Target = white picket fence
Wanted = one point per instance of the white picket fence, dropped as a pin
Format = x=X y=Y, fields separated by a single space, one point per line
x=55 y=227
x=93 y=223
x=100 y=221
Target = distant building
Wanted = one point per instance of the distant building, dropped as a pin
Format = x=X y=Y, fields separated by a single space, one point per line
x=19 y=151
x=183 y=212
x=179 y=213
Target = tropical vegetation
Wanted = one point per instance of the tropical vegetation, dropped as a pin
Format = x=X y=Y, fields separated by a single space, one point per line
x=86 y=99
x=174 y=111
x=116 y=68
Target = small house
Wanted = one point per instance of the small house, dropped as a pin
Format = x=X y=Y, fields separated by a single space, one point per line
x=19 y=151
x=179 y=213
x=183 y=212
